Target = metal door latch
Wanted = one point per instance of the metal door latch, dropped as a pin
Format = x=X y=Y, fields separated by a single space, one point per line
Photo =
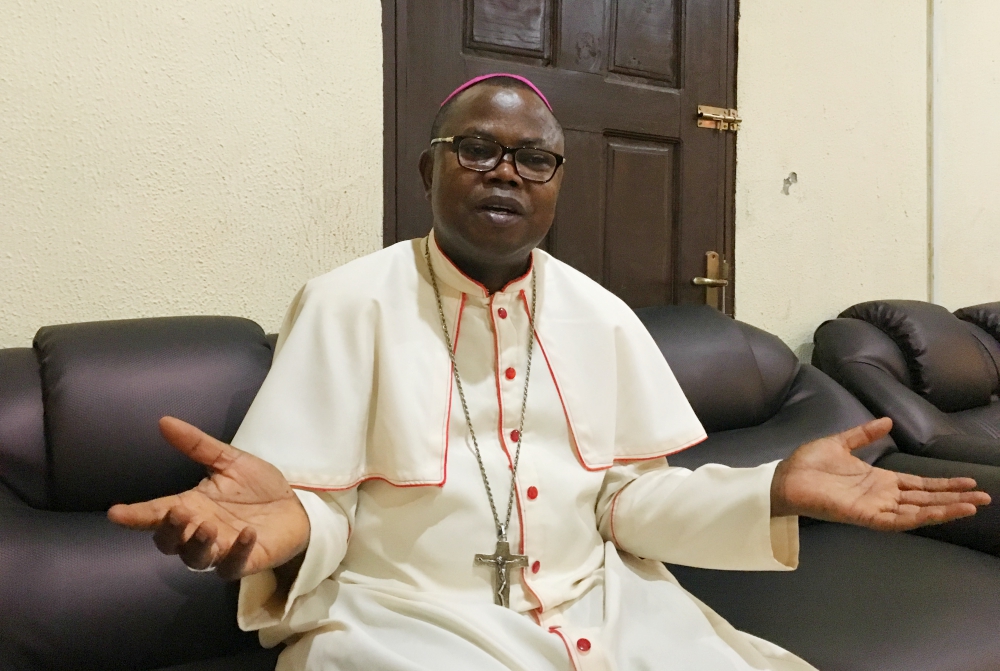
x=719 y=118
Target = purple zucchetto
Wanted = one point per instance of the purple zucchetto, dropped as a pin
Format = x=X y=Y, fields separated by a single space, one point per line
x=493 y=75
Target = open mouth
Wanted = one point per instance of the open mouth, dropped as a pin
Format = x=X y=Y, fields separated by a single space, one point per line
x=501 y=209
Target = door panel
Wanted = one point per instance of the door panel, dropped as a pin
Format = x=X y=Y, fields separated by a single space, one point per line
x=519 y=27
x=645 y=39
x=646 y=192
x=639 y=230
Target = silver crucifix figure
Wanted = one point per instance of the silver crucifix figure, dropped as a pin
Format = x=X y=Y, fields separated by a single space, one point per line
x=502 y=562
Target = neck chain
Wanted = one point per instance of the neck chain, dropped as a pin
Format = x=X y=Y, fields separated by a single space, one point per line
x=501 y=561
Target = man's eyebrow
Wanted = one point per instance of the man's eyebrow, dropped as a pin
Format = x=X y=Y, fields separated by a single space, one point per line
x=486 y=135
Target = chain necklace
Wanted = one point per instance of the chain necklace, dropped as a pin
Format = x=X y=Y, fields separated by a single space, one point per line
x=501 y=560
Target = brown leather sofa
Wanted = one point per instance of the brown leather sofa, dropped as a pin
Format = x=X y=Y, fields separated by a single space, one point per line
x=78 y=432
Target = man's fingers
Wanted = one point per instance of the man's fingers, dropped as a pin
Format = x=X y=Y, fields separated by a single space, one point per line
x=865 y=434
x=174 y=530
x=198 y=552
x=908 y=481
x=923 y=498
x=142 y=516
x=233 y=562
x=911 y=517
x=197 y=444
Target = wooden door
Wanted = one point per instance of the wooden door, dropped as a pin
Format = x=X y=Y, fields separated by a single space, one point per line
x=646 y=192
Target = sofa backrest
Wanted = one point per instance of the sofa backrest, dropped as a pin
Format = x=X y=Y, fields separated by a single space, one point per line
x=984 y=320
x=23 y=466
x=734 y=375
x=103 y=387
x=946 y=362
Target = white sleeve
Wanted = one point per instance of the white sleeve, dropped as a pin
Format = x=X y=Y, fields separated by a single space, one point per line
x=331 y=517
x=714 y=517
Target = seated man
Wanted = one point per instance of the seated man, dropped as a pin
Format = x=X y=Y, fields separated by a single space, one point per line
x=458 y=459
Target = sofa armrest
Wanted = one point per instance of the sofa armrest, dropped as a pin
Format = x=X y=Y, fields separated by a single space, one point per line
x=970 y=449
x=979 y=532
x=80 y=592
x=916 y=421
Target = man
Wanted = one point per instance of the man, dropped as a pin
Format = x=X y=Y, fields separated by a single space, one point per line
x=475 y=437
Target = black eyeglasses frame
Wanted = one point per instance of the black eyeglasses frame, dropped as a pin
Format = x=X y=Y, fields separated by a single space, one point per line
x=455 y=140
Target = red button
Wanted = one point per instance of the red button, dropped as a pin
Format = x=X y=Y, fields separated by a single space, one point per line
x=532 y=493
x=583 y=645
x=535 y=567
x=502 y=313
x=510 y=373
x=515 y=435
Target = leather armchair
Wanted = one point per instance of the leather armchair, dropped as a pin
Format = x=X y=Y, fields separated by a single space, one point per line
x=78 y=433
x=937 y=375
x=860 y=599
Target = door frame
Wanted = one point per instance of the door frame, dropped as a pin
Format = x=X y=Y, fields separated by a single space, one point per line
x=394 y=60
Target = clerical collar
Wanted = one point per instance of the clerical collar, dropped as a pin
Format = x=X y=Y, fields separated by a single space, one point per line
x=450 y=274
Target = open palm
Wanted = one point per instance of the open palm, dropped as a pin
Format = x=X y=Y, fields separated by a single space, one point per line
x=824 y=480
x=242 y=519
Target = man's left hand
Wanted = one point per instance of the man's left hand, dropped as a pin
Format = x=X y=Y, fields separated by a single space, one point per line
x=824 y=480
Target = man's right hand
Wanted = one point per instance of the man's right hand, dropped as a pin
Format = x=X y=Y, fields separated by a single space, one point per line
x=242 y=519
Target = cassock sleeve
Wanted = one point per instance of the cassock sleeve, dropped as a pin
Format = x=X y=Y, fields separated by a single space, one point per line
x=262 y=607
x=714 y=517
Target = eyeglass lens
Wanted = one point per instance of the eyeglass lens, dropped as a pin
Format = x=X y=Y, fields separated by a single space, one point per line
x=536 y=165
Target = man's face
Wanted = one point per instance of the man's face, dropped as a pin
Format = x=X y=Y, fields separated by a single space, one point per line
x=496 y=216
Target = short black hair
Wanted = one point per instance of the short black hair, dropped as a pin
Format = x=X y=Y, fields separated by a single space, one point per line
x=499 y=82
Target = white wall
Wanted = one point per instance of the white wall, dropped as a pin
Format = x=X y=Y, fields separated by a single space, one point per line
x=183 y=157
x=835 y=92
x=966 y=178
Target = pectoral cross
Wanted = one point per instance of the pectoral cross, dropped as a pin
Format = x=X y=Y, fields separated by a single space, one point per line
x=502 y=562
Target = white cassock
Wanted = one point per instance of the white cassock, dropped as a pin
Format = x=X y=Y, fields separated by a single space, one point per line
x=361 y=414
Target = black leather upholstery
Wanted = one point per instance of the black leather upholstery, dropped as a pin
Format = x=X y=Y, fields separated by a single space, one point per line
x=986 y=316
x=860 y=599
x=934 y=374
x=77 y=592
x=107 y=383
x=778 y=402
x=23 y=465
x=948 y=365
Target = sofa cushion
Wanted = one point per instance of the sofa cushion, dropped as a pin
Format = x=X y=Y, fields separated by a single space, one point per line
x=864 y=599
x=106 y=384
x=79 y=592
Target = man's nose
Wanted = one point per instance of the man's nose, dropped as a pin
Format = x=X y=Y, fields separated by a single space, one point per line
x=505 y=170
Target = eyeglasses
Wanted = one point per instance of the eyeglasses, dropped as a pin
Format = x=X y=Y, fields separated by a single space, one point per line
x=482 y=155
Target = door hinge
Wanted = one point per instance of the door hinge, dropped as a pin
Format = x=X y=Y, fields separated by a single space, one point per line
x=719 y=118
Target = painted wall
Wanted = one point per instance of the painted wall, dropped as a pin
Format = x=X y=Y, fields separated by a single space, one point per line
x=184 y=157
x=834 y=98
x=210 y=157
x=966 y=177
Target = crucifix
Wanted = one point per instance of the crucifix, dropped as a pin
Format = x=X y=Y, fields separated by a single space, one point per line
x=502 y=562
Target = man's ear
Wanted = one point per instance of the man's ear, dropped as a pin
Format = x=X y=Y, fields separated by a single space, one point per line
x=426 y=165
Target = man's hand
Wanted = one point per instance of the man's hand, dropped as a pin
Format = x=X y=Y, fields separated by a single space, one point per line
x=822 y=479
x=243 y=519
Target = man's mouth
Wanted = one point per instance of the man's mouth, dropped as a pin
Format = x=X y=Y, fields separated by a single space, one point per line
x=501 y=210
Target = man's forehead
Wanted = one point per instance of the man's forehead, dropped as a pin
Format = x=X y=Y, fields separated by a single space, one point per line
x=497 y=113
